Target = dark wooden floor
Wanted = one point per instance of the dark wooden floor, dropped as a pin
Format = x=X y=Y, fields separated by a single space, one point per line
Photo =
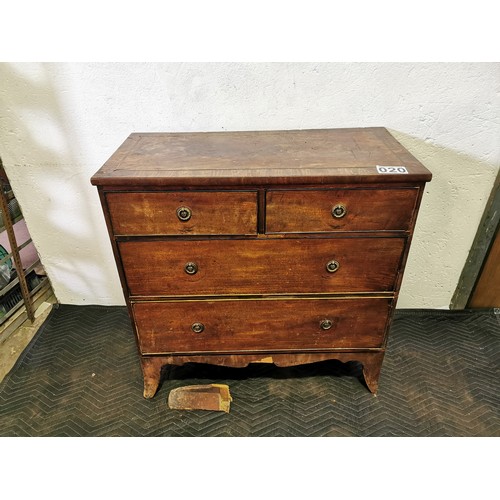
x=80 y=376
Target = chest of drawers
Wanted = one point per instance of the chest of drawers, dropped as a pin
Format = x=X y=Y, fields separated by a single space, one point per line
x=285 y=247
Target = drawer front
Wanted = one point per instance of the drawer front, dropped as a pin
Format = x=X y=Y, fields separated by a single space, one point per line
x=183 y=213
x=260 y=325
x=340 y=210
x=267 y=266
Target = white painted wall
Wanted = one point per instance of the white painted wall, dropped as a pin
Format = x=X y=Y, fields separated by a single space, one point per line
x=60 y=122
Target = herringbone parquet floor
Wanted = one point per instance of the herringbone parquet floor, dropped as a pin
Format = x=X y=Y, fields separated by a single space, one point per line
x=81 y=377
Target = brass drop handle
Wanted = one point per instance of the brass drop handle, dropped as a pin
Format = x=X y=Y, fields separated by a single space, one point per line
x=184 y=214
x=191 y=268
x=197 y=327
x=332 y=266
x=339 y=211
x=326 y=324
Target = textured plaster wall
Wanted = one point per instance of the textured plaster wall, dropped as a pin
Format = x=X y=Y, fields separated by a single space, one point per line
x=59 y=122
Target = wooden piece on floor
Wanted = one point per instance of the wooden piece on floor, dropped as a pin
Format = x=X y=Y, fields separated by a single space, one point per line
x=214 y=397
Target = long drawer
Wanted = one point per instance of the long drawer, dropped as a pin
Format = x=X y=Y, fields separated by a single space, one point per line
x=261 y=266
x=183 y=212
x=324 y=210
x=191 y=326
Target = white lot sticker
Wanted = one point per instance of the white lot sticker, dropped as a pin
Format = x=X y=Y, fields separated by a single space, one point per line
x=383 y=169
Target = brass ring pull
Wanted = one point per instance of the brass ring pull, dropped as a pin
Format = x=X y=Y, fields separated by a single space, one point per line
x=197 y=327
x=326 y=324
x=332 y=266
x=338 y=211
x=184 y=214
x=191 y=268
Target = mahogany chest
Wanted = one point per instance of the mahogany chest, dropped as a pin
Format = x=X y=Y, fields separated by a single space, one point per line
x=285 y=247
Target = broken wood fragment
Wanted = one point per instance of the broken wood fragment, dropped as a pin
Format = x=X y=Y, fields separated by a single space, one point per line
x=215 y=397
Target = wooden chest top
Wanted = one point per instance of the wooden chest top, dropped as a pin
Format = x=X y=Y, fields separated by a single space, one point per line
x=255 y=158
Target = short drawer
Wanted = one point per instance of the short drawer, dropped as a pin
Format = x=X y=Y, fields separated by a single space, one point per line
x=290 y=211
x=183 y=213
x=260 y=325
x=261 y=266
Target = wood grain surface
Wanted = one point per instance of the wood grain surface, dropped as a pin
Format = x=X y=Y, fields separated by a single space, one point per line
x=486 y=293
x=366 y=210
x=270 y=266
x=280 y=157
x=225 y=212
x=260 y=325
